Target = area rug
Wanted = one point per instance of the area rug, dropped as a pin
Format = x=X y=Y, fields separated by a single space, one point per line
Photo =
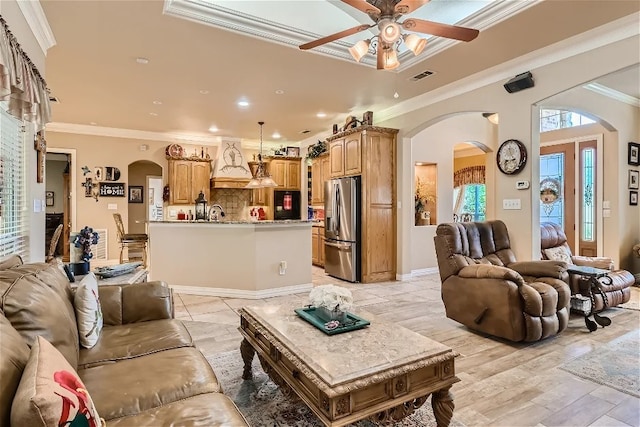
x=615 y=364
x=263 y=405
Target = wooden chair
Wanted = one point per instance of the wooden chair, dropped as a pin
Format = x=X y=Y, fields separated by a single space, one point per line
x=130 y=241
x=54 y=243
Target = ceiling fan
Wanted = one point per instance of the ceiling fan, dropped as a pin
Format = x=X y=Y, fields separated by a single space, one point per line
x=385 y=15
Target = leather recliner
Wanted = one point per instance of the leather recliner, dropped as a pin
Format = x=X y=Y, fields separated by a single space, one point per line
x=486 y=289
x=617 y=292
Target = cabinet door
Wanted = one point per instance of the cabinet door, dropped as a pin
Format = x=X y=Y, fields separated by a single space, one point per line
x=261 y=196
x=336 y=154
x=293 y=174
x=200 y=176
x=317 y=193
x=325 y=175
x=278 y=171
x=180 y=182
x=321 y=246
x=314 y=245
x=352 y=155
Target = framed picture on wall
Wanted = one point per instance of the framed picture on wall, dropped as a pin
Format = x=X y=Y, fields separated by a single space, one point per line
x=135 y=193
x=634 y=180
x=48 y=196
x=633 y=198
x=633 y=154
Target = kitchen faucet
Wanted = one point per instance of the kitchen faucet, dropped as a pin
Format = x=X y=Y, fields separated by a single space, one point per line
x=213 y=214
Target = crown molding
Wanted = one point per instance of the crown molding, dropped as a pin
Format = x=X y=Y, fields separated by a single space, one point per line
x=37 y=21
x=612 y=93
x=604 y=35
x=203 y=11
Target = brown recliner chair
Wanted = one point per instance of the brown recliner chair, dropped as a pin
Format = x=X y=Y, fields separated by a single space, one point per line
x=553 y=238
x=486 y=289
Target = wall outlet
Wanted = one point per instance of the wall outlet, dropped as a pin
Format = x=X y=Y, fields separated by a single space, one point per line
x=112 y=206
x=511 y=204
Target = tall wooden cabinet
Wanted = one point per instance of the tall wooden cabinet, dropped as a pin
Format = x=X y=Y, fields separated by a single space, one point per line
x=320 y=172
x=370 y=151
x=187 y=178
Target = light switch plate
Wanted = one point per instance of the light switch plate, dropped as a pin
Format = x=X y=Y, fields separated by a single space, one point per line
x=511 y=204
x=606 y=213
x=606 y=204
x=522 y=185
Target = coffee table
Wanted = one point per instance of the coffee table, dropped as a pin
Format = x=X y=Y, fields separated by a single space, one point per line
x=383 y=372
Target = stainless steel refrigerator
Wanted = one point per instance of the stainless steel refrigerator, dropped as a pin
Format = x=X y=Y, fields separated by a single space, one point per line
x=342 y=228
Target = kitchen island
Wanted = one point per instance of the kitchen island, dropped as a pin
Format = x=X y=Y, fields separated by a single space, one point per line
x=238 y=259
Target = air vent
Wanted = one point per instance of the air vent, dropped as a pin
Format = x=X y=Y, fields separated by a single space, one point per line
x=54 y=99
x=422 y=75
x=305 y=131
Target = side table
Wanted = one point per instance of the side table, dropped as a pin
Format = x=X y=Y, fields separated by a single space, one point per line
x=590 y=279
x=139 y=275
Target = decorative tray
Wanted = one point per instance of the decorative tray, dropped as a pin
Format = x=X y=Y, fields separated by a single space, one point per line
x=352 y=323
x=116 y=270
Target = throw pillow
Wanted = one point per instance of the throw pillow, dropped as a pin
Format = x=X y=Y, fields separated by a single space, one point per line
x=559 y=253
x=88 y=311
x=50 y=392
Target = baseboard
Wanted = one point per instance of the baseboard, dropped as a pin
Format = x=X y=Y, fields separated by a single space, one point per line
x=424 y=271
x=241 y=293
x=402 y=277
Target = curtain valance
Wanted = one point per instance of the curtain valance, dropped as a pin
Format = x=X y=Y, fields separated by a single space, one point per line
x=469 y=175
x=20 y=82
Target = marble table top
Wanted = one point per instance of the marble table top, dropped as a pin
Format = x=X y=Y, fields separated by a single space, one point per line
x=380 y=350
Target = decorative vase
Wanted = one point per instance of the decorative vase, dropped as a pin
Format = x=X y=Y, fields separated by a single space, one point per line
x=81 y=268
x=327 y=315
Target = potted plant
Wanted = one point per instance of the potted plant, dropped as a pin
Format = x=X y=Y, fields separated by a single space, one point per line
x=83 y=240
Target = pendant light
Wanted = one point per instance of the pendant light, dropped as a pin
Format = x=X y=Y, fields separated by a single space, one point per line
x=262 y=178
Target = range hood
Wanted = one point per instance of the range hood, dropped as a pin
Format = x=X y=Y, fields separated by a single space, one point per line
x=230 y=169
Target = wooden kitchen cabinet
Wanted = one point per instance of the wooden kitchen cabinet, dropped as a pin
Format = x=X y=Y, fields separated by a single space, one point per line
x=186 y=179
x=262 y=196
x=317 y=245
x=370 y=151
x=320 y=172
x=346 y=156
x=286 y=172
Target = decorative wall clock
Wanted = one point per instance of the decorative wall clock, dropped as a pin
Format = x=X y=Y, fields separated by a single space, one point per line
x=511 y=157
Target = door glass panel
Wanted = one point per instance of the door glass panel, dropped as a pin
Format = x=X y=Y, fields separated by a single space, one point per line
x=588 y=227
x=552 y=182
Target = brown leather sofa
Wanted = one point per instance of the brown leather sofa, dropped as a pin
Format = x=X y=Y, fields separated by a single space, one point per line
x=617 y=292
x=144 y=370
x=486 y=289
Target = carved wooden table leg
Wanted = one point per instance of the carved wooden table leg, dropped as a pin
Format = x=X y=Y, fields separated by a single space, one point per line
x=247 y=353
x=442 y=404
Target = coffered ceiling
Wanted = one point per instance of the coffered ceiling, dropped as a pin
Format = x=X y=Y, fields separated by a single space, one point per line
x=223 y=52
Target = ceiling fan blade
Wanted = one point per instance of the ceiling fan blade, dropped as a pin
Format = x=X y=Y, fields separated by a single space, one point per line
x=380 y=57
x=408 y=6
x=335 y=36
x=442 y=30
x=363 y=6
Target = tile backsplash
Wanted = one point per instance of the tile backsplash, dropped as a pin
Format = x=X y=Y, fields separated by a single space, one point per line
x=234 y=201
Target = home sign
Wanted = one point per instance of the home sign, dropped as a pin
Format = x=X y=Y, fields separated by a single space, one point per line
x=112 y=189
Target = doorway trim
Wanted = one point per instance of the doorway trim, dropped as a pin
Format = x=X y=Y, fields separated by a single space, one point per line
x=599 y=138
x=72 y=153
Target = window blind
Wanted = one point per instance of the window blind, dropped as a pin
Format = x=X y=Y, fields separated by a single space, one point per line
x=14 y=236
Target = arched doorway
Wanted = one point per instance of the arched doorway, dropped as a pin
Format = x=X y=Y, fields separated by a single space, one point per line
x=141 y=194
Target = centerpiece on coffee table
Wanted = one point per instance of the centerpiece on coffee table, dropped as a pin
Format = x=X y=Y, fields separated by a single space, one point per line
x=328 y=310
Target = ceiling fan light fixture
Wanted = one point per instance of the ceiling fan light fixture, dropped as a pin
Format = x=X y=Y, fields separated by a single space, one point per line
x=360 y=49
x=390 y=59
x=414 y=43
x=389 y=31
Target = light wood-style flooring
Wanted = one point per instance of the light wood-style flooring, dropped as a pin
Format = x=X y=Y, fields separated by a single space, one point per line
x=502 y=383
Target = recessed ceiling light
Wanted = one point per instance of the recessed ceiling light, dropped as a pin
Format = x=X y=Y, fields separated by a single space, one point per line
x=213 y=128
x=204 y=91
x=93 y=123
x=141 y=60
x=321 y=115
x=153 y=114
x=243 y=103
x=157 y=102
x=275 y=135
x=279 y=92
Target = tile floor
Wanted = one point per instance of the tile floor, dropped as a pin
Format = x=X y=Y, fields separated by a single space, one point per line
x=502 y=383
